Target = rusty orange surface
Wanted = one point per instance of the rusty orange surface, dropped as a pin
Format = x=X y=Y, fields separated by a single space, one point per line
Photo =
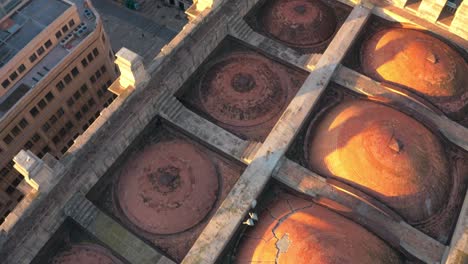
x=383 y=152
x=420 y=62
x=167 y=187
x=293 y=230
x=85 y=253
x=299 y=23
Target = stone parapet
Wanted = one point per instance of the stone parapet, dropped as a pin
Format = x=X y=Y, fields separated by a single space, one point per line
x=460 y=21
x=132 y=70
x=431 y=9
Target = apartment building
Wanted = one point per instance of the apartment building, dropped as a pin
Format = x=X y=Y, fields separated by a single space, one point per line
x=56 y=64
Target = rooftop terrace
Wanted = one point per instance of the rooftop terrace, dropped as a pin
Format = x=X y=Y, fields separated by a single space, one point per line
x=49 y=61
x=25 y=24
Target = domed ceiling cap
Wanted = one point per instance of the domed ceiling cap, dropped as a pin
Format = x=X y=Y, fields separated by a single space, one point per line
x=311 y=235
x=86 y=253
x=244 y=89
x=167 y=187
x=299 y=23
x=383 y=152
x=419 y=62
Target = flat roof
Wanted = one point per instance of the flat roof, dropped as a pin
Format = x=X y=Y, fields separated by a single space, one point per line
x=46 y=63
x=25 y=24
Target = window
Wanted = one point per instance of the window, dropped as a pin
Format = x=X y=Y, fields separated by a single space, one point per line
x=60 y=86
x=56 y=140
x=10 y=190
x=85 y=127
x=71 y=23
x=49 y=96
x=48 y=43
x=64 y=150
x=28 y=145
x=4 y=171
x=53 y=119
x=99 y=93
x=67 y=79
x=77 y=95
x=91 y=102
x=103 y=38
x=21 y=68
x=103 y=69
x=15 y=131
x=45 y=149
x=33 y=58
x=84 y=109
x=84 y=62
x=58 y=35
x=95 y=52
x=36 y=137
x=84 y=88
x=70 y=102
x=75 y=72
x=69 y=125
x=62 y=132
x=98 y=74
x=108 y=83
x=78 y=116
x=45 y=127
x=42 y=104
x=17 y=181
x=5 y=83
x=64 y=28
x=8 y=139
x=40 y=51
x=34 y=112
x=90 y=57
x=60 y=112
x=13 y=75
x=23 y=123
x=92 y=79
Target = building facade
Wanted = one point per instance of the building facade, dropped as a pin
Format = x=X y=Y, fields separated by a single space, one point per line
x=57 y=63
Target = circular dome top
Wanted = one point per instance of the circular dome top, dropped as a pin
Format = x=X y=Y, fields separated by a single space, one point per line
x=86 y=253
x=167 y=187
x=244 y=89
x=382 y=152
x=299 y=23
x=420 y=62
x=312 y=235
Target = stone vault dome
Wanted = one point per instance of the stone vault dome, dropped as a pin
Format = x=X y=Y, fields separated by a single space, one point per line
x=299 y=23
x=168 y=187
x=312 y=235
x=420 y=62
x=85 y=253
x=383 y=152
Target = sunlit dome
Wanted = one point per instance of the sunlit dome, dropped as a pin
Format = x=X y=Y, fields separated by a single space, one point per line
x=312 y=235
x=383 y=152
x=420 y=62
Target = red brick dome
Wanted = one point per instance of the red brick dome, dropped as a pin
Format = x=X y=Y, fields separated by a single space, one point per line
x=244 y=89
x=419 y=62
x=86 y=253
x=383 y=152
x=311 y=235
x=168 y=187
x=299 y=23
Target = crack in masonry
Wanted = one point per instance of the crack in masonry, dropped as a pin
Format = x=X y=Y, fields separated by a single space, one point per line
x=273 y=230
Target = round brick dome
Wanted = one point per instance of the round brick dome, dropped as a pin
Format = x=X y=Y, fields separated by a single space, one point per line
x=383 y=152
x=420 y=62
x=299 y=23
x=85 y=253
x=311 y=235
x=244 y=89
x=168 y=187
